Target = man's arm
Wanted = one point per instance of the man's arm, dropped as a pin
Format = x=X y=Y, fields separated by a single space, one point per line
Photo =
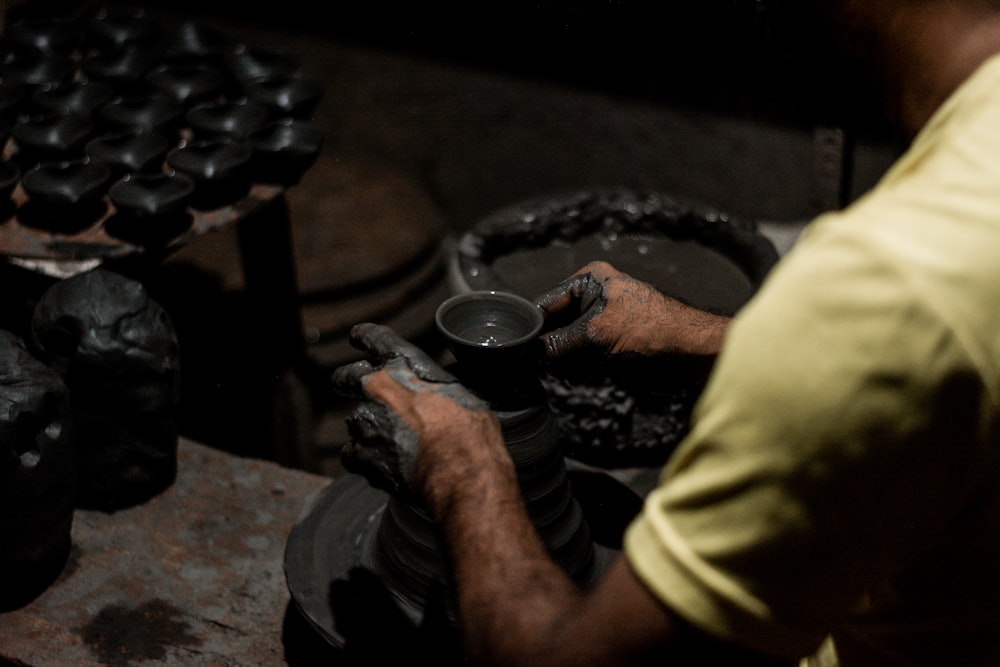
x=516 y=605
x=599 y=308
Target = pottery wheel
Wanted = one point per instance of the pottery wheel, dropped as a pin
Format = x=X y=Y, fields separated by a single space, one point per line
x=332 y=584
x=333 y=535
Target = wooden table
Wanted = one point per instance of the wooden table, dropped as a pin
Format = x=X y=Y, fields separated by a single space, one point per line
x=194 y=576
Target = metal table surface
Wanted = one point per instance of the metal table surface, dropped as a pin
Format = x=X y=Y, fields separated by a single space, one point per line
x=194 y=576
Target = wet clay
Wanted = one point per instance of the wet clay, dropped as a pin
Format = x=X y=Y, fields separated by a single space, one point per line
x=684 y=269
x=117 y=352
x=37 y=474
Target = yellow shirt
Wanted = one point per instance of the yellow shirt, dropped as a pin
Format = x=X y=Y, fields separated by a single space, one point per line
x=842 y=474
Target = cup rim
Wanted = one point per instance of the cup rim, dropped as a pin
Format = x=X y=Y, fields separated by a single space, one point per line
x=529 y=307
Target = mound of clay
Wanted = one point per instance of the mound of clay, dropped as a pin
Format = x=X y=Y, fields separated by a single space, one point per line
x=37 y=474
x=117 y=352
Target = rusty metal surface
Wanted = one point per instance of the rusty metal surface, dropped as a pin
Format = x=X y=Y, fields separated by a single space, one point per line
x=192 y=577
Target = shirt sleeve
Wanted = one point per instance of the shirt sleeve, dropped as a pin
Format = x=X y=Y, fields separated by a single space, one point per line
x=822 y=453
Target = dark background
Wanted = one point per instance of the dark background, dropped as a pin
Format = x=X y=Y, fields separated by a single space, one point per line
x=766 y=58
x=436 y=114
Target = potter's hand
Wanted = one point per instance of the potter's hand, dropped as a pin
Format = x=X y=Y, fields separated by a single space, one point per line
x=604 y=312
x=413 y=416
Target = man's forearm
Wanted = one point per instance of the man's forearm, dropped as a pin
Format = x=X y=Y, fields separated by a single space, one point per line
x=512 y=596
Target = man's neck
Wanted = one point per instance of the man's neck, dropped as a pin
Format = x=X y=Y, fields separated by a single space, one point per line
x=930 y=49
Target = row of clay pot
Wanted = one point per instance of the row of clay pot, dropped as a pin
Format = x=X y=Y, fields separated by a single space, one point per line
x=120 y=112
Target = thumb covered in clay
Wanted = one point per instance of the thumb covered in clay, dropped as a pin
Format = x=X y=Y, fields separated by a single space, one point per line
x=596 y=313
x=390 y=424
x=570 y=309
x=601 y=316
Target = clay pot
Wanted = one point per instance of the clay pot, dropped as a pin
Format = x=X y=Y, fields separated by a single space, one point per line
x=247 y=63
x=219 y=169
x=116 y=28
x=129 y=152
x=125 y=70
x=64 y=197
x=151 y=209
x=80 y=96
x=38 y=68
x=12 y=98
x=51 y=137
x=495 y=332
x=189 y=41
x=189 y=84
x=284 y=150
x=151 y=195
x=227 y=119
x=117 y=352
x=295 y=96
x=144 y=111
x=47 y=35
x=37 y=474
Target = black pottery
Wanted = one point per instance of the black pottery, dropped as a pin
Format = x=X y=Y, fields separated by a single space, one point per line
x=129 y=151
x=110 y=87
x=117 y=352
x=150 y=208
x=283 y=150
x=355 y=536
x=38 y=468
x=64 y=197
x=220 y=170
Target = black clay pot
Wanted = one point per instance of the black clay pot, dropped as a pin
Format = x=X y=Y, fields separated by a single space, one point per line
x=37 y=474
x=188 y=84
x=247 y=63
x=117 y=28
x=284 y=150
x=219 y=170
x=125 y=70
x=36 y=69
x=51 y=137
x=491 y=332
x=295 y=96
x=79 y=96
x=47 y=35
x=129 y=152
x=189 y=41
x=116 y=350
x=13 y=97
x=64 y=197
x=155 y=112
x=233 y=119
x=150 y=209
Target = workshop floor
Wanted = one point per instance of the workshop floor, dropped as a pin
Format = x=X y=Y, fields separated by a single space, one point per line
x=416 y=150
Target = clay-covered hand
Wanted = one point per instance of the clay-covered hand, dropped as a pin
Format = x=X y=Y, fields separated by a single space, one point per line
x=413 y=415
x=600 y=311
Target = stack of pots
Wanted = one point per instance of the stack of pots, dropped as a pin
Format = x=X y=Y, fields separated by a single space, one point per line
x=123 y=119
